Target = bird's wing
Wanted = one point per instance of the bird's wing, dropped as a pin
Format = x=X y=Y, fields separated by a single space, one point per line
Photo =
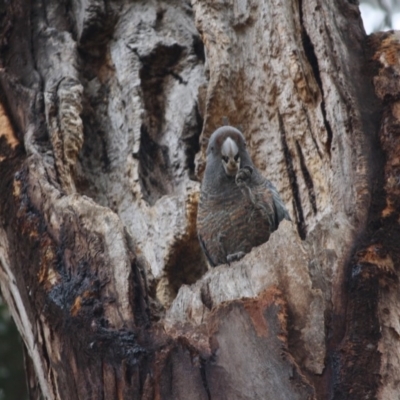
x=279 y=206
x=205 y=251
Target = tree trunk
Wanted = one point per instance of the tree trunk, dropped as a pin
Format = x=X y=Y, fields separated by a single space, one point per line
x=106 y=107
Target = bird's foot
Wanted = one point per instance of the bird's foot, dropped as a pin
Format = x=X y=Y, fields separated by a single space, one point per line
x=235 y=256
x=243 y=176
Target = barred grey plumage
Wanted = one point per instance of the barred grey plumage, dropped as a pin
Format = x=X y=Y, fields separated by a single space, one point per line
x=238 y=207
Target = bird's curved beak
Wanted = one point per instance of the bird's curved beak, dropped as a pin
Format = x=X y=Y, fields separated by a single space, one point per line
x=232 y=167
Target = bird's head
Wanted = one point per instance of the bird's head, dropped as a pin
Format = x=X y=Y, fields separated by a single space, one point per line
x=227 y=146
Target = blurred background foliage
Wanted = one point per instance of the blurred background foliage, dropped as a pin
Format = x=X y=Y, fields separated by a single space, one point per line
x=377 y=15
x=12 y=375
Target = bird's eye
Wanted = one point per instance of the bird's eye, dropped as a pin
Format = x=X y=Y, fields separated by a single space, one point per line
x=225 y=158
x=236 y=157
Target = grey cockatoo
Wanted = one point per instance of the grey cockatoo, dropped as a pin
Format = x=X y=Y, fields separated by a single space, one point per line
x=238 y=207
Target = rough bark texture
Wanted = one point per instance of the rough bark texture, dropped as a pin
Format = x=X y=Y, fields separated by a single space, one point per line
x=106 y=107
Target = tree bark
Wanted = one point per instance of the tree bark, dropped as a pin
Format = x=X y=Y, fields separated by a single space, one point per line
x=106 y=108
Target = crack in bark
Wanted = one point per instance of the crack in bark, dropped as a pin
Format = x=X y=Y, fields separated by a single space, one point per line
x=204 y=378
x=206 y=297
x=313 y=60
x=300 y=222
x=311 y=131
x=177 y=77
x=307 y=179
x=198 y=48
x=327 y=126
x=191 y=139
x=358 y=353
x=46 y=358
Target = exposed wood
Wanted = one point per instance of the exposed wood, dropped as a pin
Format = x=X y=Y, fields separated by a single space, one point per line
x=383 y=254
